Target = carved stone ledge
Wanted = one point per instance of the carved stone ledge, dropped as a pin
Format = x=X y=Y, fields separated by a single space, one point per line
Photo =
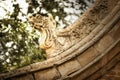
x=102 y=44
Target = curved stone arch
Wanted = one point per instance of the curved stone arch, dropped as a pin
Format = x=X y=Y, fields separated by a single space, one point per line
x=85 y=56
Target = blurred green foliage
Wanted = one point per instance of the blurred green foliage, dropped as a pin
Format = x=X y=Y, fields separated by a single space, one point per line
x=18 y=46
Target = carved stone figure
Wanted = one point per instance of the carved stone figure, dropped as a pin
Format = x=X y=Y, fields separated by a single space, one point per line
x=47 y=26
x=54 y=40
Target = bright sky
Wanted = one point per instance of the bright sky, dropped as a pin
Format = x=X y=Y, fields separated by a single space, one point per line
x=7 y=8
x=7 y=5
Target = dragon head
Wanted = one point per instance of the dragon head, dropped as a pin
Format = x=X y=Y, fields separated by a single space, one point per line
x=38 y=21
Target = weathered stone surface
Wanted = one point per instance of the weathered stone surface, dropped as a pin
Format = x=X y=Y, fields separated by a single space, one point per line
x=69 y=67
x=104 y=43
x=94 y=71
x=112 y=4
x=117 y=68
x=23 y=77
x=112 y=74
x=115 y=32
x=87 y=56
x=48 y=74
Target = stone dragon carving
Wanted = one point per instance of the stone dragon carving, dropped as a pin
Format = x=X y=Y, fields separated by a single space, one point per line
x=47 y=26
x=55 y=40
